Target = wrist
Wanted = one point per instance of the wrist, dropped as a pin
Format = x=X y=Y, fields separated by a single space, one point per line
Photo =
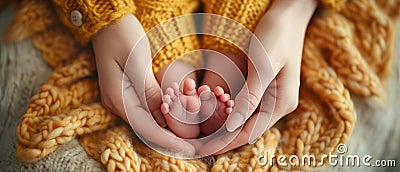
x=118 y=30
x=118 y=38
x=298 y=11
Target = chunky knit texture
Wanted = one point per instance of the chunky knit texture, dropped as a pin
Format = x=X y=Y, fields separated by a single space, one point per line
x=164 y=47
x=245 y=12
x=343 y=53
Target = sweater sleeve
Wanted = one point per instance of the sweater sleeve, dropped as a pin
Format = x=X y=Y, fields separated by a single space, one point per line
x=247 y=13
x=86 y=17
x=241 y=13
x=170 y=39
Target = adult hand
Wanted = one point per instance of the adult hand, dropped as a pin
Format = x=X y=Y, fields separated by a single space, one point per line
x=273 y=80
x=123 y=59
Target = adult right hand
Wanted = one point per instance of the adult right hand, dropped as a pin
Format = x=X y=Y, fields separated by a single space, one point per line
x=123 y=60
x=273 y=79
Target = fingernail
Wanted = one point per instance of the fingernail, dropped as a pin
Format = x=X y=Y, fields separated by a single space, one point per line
x=252 y=140
x=235 y=120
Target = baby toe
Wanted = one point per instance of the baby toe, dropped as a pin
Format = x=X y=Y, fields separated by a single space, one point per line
x=228 y=110
x=165 y=108
x=202 y=89
x=189 y=87
x=224 y=98
x=218 y=91
x=230 y=103
x=166 y=99
x=170 y=91
x=175 y=88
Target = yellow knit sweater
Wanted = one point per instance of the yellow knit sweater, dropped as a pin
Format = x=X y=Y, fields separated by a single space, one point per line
x=97 y=14
x=348 y=49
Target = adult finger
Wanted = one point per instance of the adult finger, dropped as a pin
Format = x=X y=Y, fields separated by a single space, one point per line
x=229 y=140
x=110 y=80
x=138 y=68
x=112 y=45
x=146 y=127
x=280 y=99
x=260 y=75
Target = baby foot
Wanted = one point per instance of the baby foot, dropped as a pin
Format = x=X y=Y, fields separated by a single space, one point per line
x=216 y=106
x=180 y=109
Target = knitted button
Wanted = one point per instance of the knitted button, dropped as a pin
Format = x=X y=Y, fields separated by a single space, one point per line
x=76 y=18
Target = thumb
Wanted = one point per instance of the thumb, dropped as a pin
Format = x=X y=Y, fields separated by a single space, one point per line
x=154 y=98
x=248 y=99
x=260 y=75
x=138 y=68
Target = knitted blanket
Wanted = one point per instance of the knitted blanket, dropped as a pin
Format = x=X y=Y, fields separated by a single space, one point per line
x=343 y=53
